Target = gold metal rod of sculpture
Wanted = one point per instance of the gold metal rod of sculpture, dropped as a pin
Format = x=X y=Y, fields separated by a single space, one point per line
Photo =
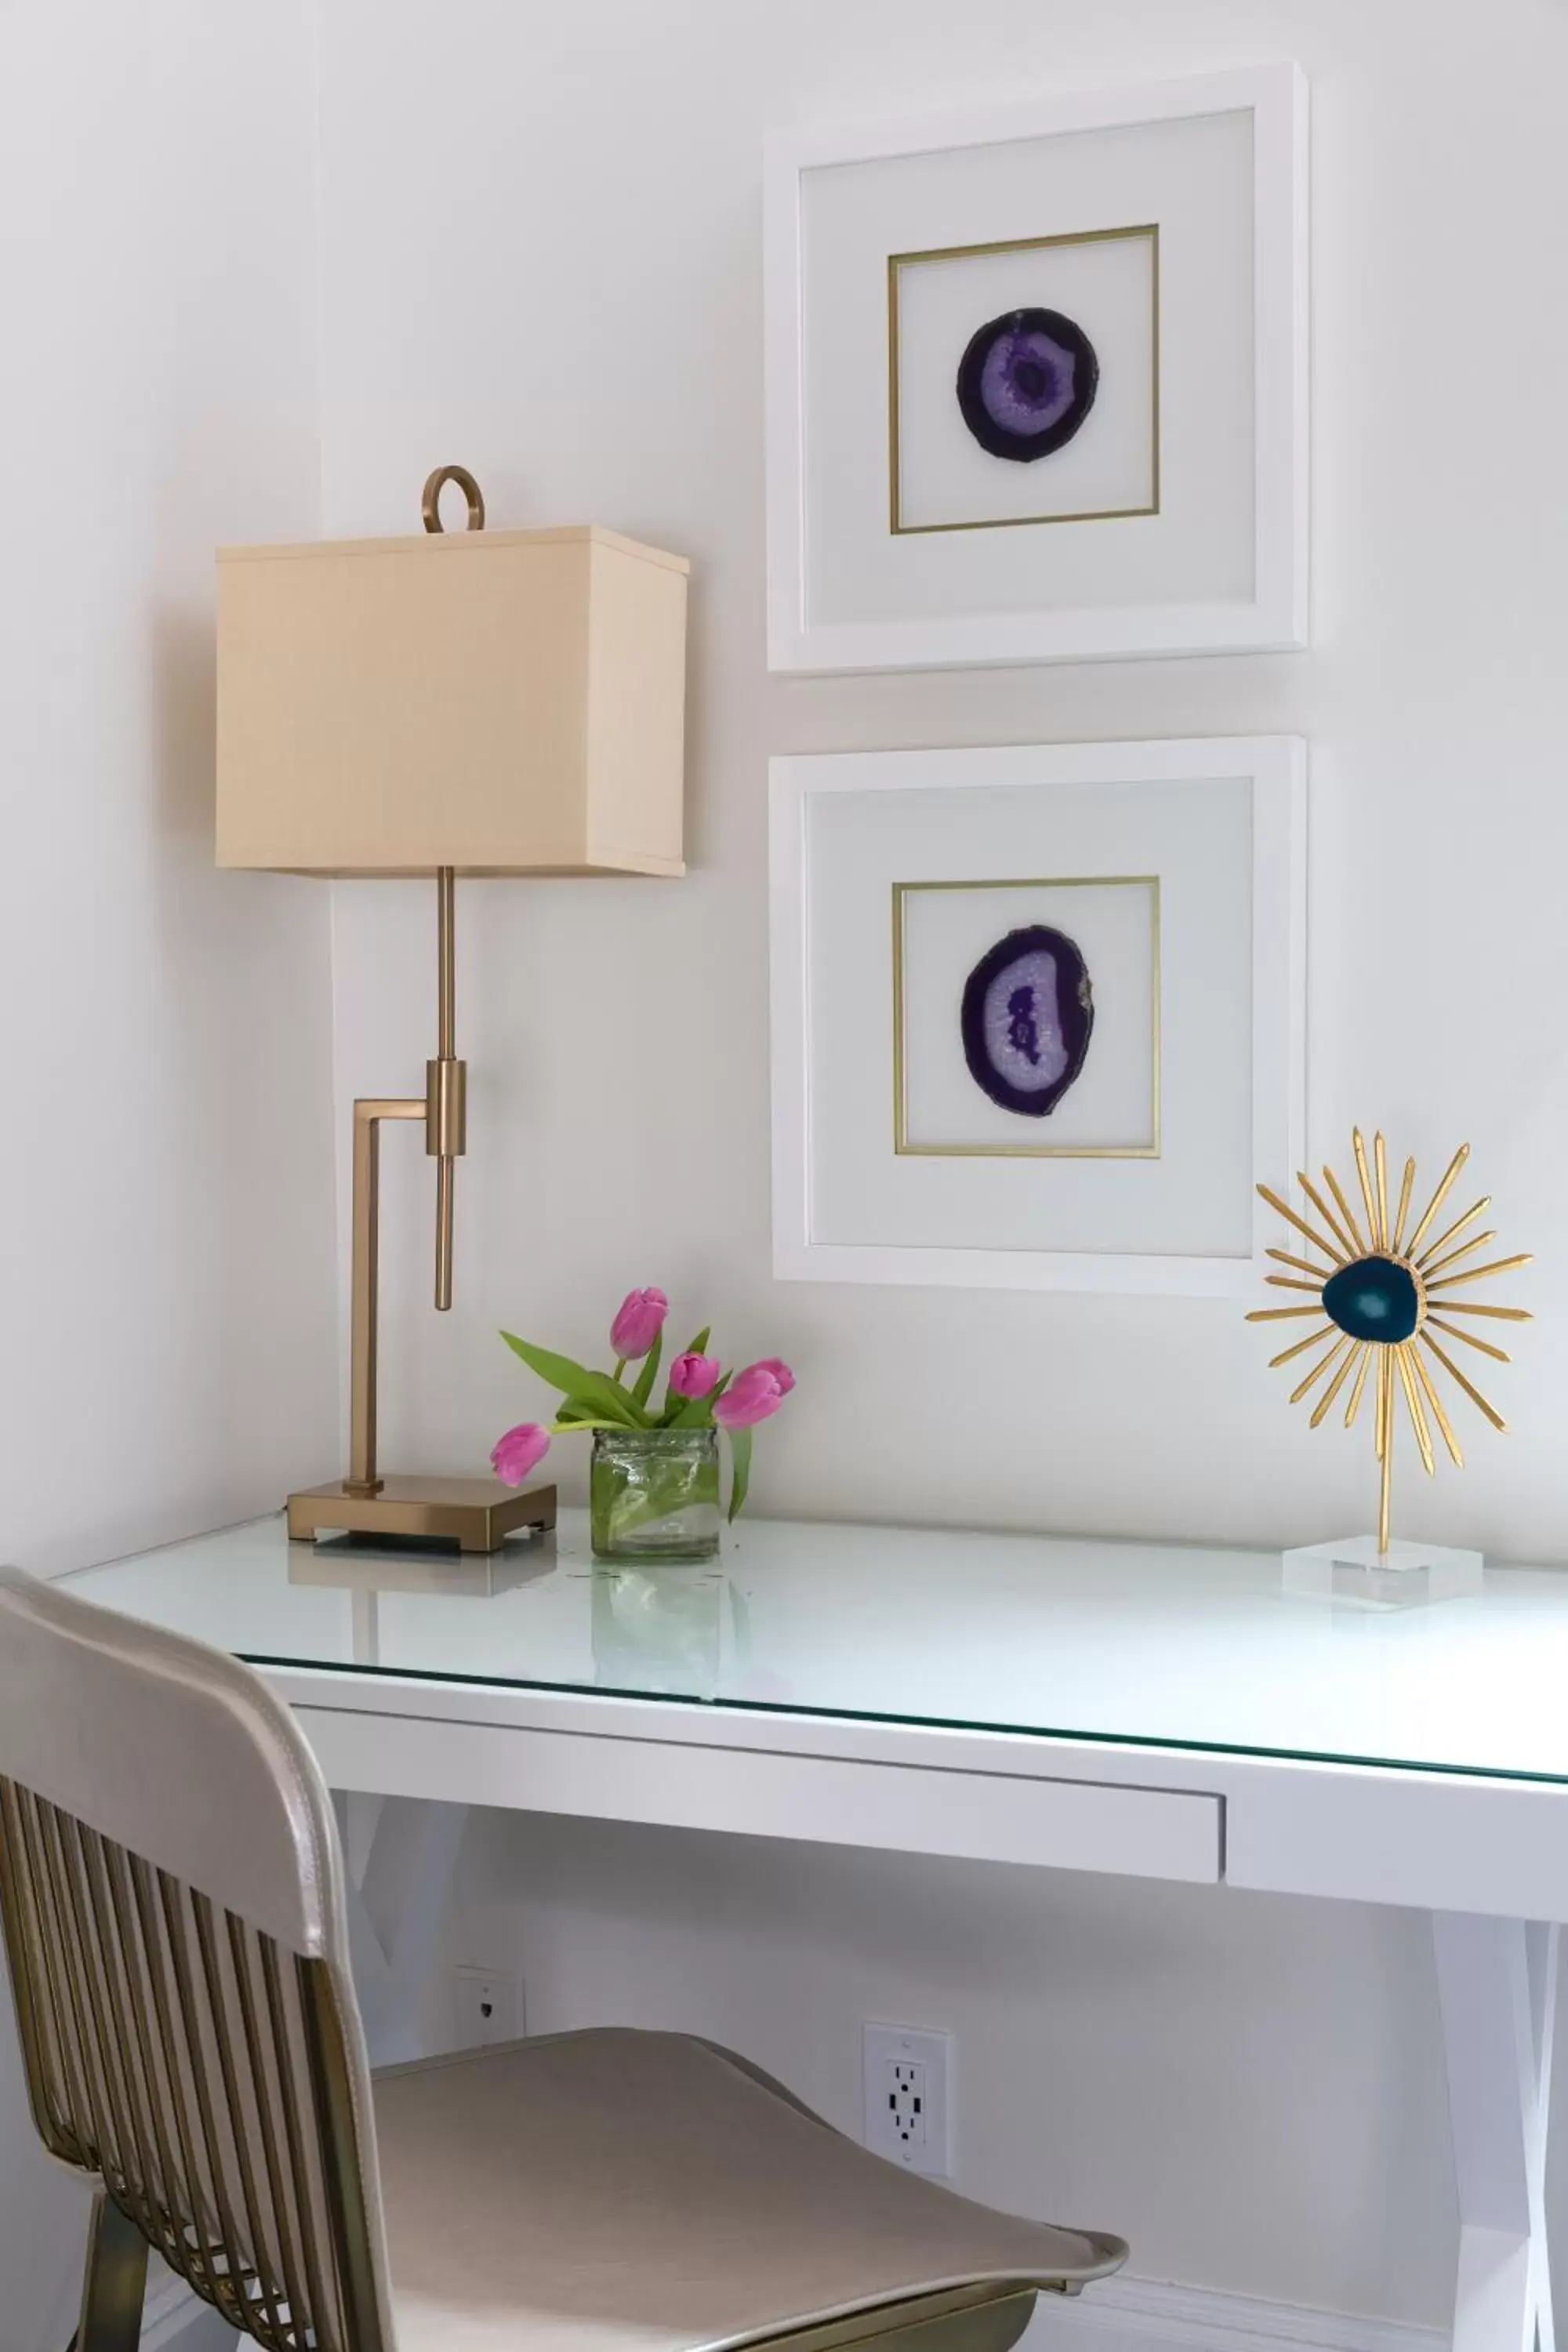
x=1386 y=1485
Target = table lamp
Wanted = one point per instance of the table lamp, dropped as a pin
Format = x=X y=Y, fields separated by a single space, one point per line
x=478 y=702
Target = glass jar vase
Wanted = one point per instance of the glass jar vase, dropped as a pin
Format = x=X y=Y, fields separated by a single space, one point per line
x=652 y=1494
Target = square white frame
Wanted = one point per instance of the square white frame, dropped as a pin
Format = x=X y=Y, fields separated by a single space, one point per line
x=1276 y=768
x=1275 y=617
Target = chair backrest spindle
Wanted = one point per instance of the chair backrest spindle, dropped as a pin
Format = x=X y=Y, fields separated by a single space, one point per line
x=208 y=2068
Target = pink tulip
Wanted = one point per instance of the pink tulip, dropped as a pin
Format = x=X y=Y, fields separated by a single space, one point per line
x=780 y=1371
x=693 y=1376
x=638 y=1324
x=521 y=1451
x=752 y=1395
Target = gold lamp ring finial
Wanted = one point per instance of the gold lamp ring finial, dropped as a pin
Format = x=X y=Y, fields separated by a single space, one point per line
x=430 y=497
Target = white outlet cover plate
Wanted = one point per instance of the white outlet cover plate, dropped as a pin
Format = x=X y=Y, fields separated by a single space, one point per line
x=486 y=2008
x=885 y=2047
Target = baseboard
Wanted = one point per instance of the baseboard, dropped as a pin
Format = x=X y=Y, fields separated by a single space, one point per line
x=1121 y=2315
x=1134 y=2314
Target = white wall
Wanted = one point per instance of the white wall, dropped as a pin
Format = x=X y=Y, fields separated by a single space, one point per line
x=167 y=1345
x=546 y=265
x=584 y=233
x=552 y=273
x=549 y=270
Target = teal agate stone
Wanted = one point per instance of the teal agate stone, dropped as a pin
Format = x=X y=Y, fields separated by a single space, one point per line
x=1374 y=1299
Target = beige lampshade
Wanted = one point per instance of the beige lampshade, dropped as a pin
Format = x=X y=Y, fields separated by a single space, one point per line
x=502 y=702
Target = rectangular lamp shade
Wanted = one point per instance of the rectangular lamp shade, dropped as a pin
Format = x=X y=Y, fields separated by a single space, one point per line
x=498 y=701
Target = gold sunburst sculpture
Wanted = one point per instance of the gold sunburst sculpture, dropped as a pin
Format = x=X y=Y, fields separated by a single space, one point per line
x=1383 y=1296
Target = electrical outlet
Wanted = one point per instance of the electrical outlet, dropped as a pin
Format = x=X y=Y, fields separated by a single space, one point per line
x=908 y=2077
x=486 y=2006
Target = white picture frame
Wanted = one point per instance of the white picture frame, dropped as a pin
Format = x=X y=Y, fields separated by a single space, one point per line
x=923 y=603
x=1128 y=810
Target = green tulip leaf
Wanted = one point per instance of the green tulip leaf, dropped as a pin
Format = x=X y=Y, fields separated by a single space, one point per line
x=649 y=1372
x=577 y=1382
x=577 y=1413
x=740 y=1454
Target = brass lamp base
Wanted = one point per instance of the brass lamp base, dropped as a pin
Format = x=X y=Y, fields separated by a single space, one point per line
x=477 y=1515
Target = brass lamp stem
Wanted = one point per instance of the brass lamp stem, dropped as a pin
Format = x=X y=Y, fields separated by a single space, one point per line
x=443 y=1109
x=368 y=1115
x=446 y=941
x=476 y=1514
x=445 y=1086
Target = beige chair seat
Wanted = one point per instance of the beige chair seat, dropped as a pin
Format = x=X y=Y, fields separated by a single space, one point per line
x=612 y=2188
x=176 y=1935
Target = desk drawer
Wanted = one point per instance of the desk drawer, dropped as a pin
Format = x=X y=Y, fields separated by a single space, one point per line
x=831 y=1800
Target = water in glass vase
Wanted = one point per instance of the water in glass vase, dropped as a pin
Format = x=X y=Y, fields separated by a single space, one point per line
x=654 y=1493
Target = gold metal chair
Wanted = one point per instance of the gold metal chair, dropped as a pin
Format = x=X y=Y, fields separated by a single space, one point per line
x=172 y=1897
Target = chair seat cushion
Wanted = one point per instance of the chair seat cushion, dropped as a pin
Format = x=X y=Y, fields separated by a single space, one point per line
x=620 y=2191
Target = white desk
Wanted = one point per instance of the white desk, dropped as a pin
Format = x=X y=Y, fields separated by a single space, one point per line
x=1158 y=1711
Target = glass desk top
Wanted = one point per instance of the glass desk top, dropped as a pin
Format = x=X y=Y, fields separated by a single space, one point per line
x=1167 y=1645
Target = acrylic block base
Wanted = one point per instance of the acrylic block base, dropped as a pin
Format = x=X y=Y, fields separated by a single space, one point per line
x=1406 y=1576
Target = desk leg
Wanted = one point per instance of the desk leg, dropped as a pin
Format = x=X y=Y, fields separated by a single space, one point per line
x=397 y=1909
x=1497 y=1981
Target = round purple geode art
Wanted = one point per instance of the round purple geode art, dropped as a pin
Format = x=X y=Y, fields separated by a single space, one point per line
x=1027 y=1016
x=1026 y=383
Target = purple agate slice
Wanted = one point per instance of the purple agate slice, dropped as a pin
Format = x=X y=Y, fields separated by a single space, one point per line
x=1026 y=382
x=1027 y=1016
